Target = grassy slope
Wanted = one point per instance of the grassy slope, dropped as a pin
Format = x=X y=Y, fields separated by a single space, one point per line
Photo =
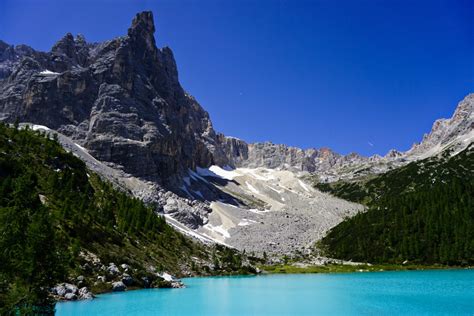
x=422 y=212
x=344 y=268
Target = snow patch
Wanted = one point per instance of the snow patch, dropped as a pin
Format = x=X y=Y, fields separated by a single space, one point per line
x=257 y=211
x=80 y=147
x=277 y=191
x=246 y=222
x=304 y=186
x=218 y=229
x=48 y=73
x=252 y=188
x=39 y=127
x=191 y=233
x=217 y=172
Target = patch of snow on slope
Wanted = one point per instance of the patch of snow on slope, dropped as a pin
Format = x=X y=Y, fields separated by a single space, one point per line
x=304 y=186
x=38 y=127
x=246 y=222
x=218 y=229
x=80 y=147
x=187 y=231
x=252 y=188
x=217 y=172
x=49 y=73
x=257 y=211
x=277 y=191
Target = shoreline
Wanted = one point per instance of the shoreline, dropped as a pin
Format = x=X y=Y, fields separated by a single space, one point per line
x=267 y=270
x=340 y=268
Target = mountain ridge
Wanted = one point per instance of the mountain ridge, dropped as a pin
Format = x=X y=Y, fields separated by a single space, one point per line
x=126 y=92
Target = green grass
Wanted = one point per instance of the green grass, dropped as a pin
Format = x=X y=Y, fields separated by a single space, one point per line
x=339 y=268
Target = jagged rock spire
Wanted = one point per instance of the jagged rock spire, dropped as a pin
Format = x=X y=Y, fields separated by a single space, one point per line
x=143 y=28
x=143 y=22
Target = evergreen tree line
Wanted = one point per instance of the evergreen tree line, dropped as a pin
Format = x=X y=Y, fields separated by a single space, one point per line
x=51 y=207
x=423 y=213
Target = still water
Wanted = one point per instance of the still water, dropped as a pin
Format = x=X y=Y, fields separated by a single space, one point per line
x=449 y=292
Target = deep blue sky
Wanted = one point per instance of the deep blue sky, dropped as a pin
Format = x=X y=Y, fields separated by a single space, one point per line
x=362 y=76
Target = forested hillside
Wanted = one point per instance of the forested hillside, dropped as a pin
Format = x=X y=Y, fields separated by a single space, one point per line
x=55 y=215
x=422 y=213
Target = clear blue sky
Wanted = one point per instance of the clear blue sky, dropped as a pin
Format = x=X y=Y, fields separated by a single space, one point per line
x=362 y=76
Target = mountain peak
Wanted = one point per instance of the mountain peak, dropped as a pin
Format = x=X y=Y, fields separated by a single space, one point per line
x=142 y=25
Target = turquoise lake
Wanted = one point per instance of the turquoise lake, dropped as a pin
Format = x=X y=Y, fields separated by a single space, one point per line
x=448 y=292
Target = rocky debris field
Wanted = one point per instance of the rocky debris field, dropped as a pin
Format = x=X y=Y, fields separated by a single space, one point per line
x=273 y=212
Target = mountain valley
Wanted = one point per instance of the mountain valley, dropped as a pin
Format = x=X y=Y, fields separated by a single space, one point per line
x=185 y=199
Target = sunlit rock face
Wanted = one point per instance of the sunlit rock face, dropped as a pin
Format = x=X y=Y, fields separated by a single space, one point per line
x=120 y=99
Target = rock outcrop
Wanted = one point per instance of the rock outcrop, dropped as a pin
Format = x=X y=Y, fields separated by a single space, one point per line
x=120 y=99
x=70 y=292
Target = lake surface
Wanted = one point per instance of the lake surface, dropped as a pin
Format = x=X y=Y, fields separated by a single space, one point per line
x=449 y=292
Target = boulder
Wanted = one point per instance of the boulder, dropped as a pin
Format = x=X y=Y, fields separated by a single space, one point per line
x=127 y=279
x=118 y=286
x=146 y=282
x=125 y=267
x=70 y=297
x=85 y=294
x=71 y=288
x=59 y=290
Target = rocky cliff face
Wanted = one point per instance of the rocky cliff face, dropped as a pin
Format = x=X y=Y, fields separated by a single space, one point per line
x=120 y=99
x=455 y=133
